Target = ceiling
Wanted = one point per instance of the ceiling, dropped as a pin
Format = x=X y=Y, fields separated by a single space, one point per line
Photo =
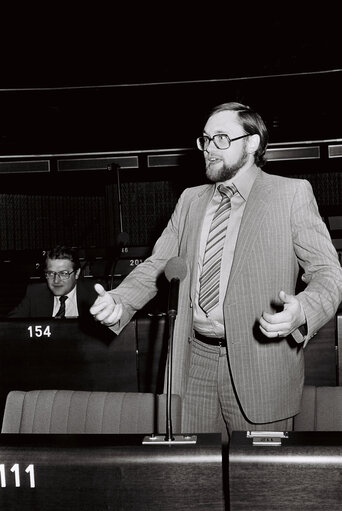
x=127 y=46
x=101 y=80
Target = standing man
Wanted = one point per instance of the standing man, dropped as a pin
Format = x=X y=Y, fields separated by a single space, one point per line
x=241 y=324
x=63 y=295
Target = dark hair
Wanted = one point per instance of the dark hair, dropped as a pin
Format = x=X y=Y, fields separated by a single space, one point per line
x=63 y=252
x=252 y=123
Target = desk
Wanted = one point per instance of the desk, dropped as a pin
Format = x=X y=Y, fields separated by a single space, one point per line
x=61 y=354
x=109 y=472
x=304 y=473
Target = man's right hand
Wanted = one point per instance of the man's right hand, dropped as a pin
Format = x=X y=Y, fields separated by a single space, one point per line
x=104 y=309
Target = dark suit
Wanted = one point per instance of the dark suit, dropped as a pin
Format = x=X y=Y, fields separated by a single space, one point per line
x=38 y=300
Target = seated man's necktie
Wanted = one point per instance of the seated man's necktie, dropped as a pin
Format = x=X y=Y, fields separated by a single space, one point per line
x=61 y=311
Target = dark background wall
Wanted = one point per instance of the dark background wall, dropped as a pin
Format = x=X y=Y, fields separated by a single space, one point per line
x=80 y=80
x=130 y=81
x=165 y=115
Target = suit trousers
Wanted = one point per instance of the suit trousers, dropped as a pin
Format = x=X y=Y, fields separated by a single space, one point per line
x=210 y=402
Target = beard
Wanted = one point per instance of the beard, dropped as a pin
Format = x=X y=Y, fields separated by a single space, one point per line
x=225 y=172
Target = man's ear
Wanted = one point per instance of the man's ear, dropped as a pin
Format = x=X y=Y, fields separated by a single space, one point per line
x=253 y=142
x=77 y=274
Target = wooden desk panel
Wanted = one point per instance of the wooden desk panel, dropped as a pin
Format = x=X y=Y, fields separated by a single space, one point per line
x=70 y=358
x=321 y=357
x=303 y=474
x=109 y=472
x=339 y=345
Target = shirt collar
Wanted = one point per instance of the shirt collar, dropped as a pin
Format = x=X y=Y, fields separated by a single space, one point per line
x=72 y=292
x=70 y=295
x=243 y=181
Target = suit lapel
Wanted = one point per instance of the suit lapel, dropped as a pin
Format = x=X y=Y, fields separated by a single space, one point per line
x=256 y=208
x=196 y=214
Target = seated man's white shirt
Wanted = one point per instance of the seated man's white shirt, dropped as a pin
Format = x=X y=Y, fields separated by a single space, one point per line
x=71 y=309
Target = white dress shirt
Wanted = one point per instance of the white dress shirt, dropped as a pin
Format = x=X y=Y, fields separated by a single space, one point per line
x=212 y=325
x=71 y=309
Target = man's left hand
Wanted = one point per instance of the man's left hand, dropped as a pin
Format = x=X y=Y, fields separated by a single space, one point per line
x=281 y=324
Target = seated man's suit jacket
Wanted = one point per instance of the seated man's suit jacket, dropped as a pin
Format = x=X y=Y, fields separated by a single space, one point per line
x=38 y=300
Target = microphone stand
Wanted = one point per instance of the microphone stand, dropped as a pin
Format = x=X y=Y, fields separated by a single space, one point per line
x=169 y=438
x=172 y=317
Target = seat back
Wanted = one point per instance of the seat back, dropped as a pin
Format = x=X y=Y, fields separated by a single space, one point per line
x=321 y=409
x=70 y=411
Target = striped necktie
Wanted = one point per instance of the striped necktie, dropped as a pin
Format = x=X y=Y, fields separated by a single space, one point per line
x=61 y=311
x=210 y=277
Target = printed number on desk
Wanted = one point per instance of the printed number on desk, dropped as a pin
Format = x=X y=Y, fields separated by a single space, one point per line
x=39 y=331
x=13 y=474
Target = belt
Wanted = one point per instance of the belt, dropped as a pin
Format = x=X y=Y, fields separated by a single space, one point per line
x=212 y=341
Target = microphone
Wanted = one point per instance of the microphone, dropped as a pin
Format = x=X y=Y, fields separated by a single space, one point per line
x=175 y=271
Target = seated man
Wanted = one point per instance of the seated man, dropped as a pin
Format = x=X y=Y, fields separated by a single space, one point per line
x=64 y=295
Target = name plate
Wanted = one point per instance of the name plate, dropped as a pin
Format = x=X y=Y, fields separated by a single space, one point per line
x=264 y=438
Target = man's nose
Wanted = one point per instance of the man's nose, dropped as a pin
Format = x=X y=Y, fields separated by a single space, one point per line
x=211 y=141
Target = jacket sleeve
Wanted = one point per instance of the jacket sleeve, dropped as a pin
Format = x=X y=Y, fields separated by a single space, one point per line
x=140 y=286
x=319 y=260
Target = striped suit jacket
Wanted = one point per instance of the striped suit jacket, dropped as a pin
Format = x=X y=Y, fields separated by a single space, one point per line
x=281 y=231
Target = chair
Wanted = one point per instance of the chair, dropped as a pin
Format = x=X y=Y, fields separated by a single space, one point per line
x=321 y=409
x=73 y=411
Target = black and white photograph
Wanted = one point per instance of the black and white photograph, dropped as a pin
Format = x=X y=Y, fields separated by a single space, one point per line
x=171 y=258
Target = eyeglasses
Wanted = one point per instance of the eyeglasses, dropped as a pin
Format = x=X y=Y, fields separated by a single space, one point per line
x=220 y=140
x=63 y=275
